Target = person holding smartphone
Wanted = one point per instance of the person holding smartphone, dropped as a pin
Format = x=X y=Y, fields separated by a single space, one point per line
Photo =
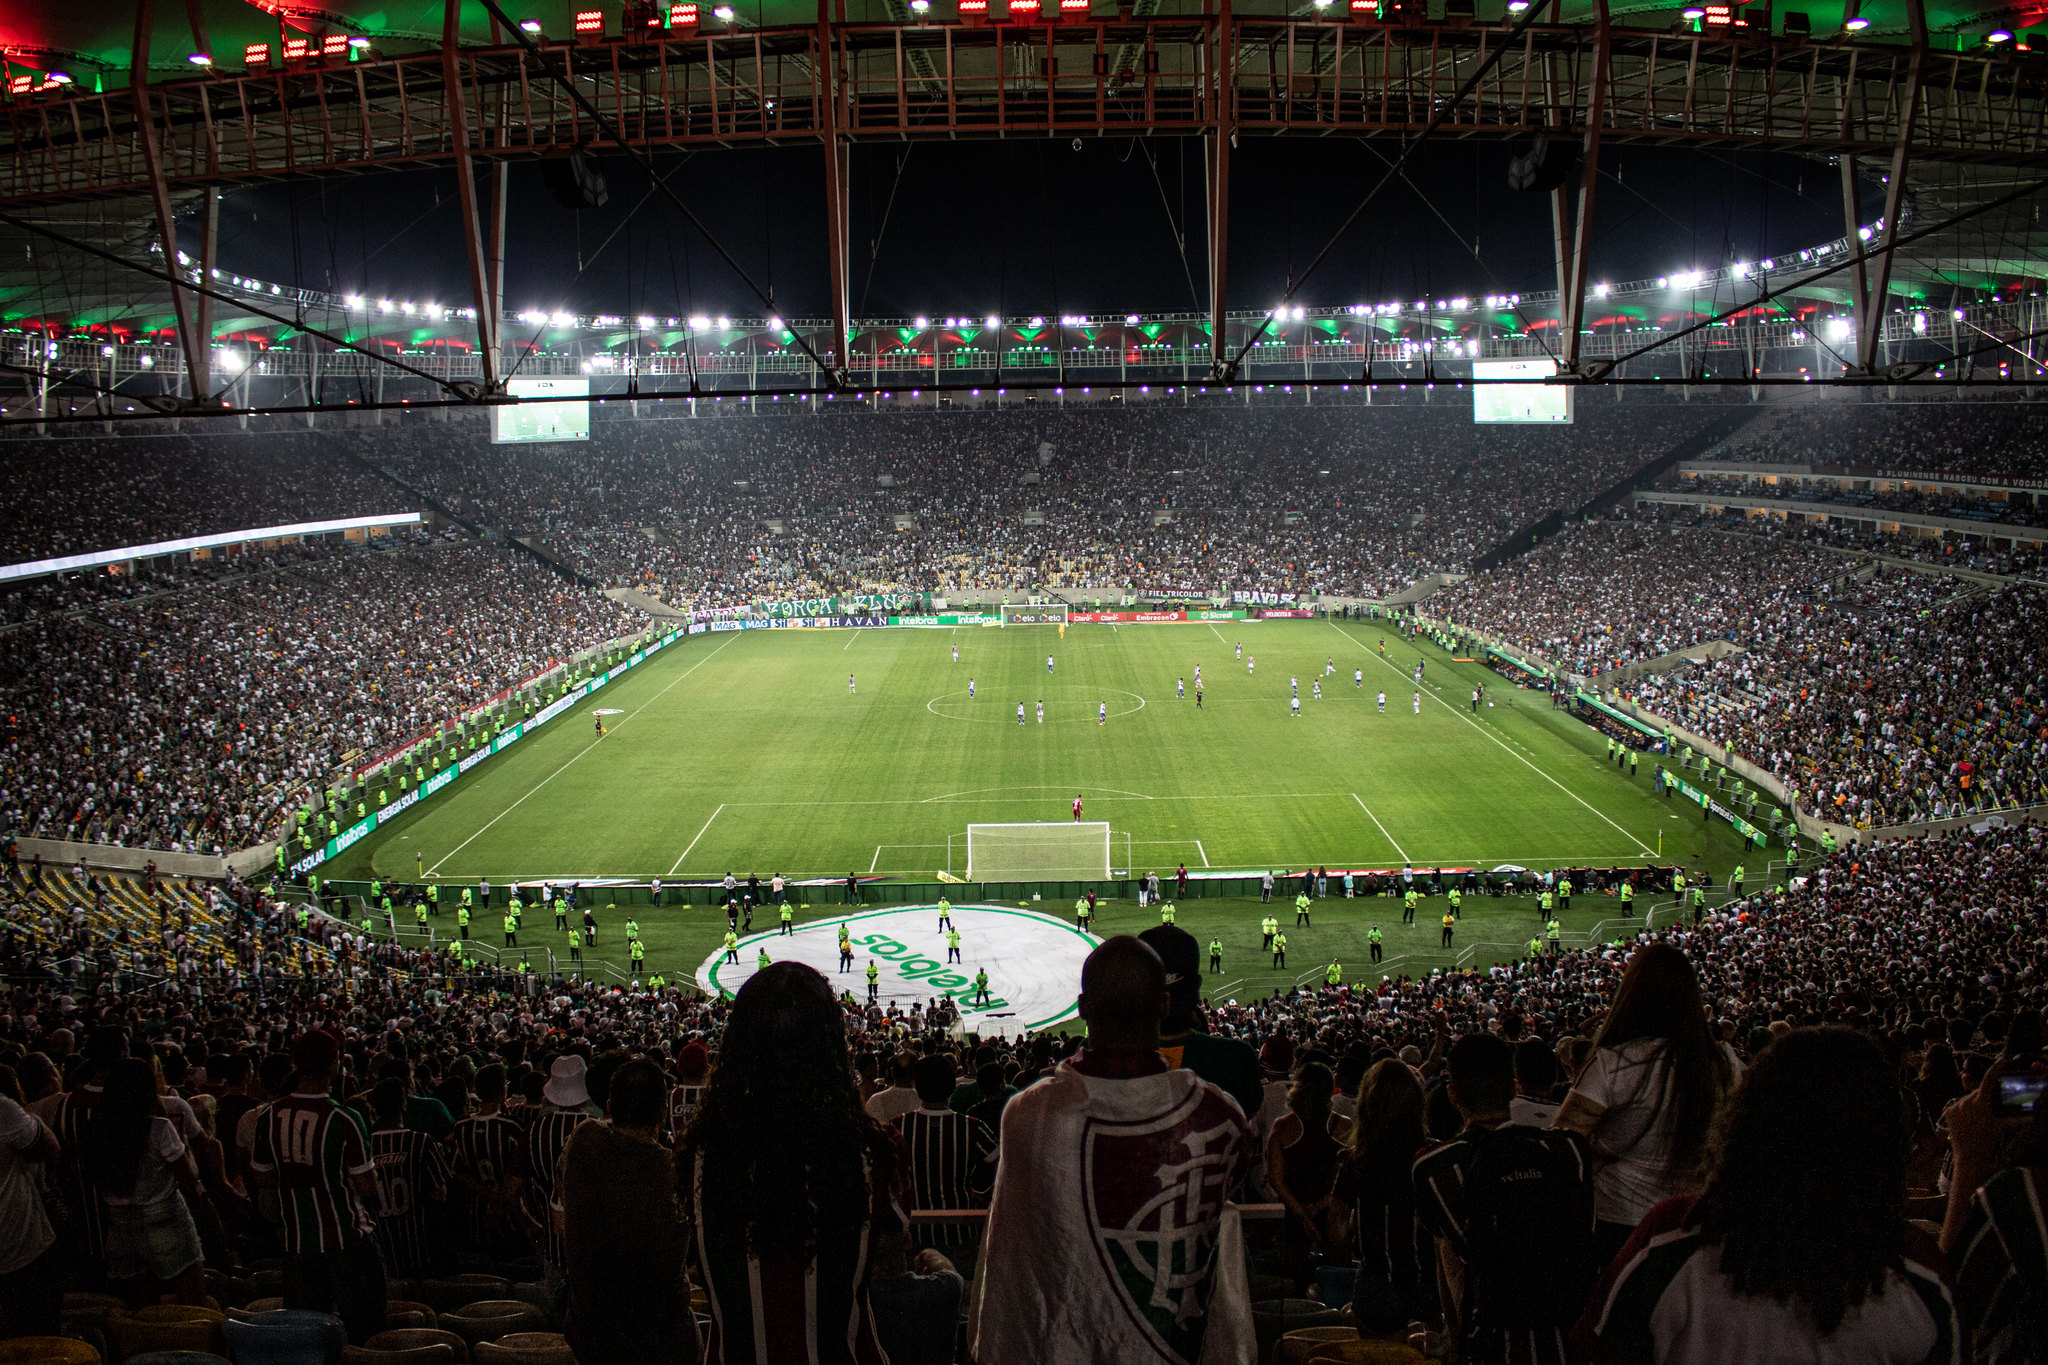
x=1995 y=1234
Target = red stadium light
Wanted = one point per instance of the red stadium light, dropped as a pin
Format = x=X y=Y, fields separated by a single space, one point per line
x=334 y=45
x=295 y=49
x=1365 y=9
x=256 y=55
x=682 y=16
x=590 y=21
x=20 y=85
x=1073 y=9
x=1023 y=11
x=973 y=12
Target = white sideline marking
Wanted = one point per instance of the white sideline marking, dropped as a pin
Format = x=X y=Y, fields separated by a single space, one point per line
x=693 y=843
x=1218 y=633
x=565 y=767
x=1376 y=821
x=1640 y=845
x=851 y=638
x=1203 y=851
x=876 y=859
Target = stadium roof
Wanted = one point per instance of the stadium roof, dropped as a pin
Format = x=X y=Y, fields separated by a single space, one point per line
x=93 y=42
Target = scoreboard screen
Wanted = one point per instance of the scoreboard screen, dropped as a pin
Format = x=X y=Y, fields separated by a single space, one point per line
x=1510 y=401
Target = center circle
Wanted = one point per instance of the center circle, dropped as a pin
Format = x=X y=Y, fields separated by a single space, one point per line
x=1033 y=961
x=986 y=709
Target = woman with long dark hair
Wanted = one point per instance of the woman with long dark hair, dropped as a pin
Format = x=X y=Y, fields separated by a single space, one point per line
x=141 y=1166
x=1301 y=1165
x=1376 y=1188
x=1798 y=1248
x=787 y=1182
x=1647 y=1095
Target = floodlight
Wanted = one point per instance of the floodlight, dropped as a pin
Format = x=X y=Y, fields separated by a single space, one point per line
x=199 y=59
x=529 y=25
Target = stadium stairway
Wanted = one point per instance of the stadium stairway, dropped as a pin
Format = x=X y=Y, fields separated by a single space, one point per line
x=128 y=908
x=1527 y=537
x=1664 y=663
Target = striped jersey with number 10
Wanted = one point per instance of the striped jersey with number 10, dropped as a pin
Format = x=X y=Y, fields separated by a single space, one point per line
x=314 y=1146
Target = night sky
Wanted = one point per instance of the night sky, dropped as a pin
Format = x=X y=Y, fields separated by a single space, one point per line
x=1035 y=227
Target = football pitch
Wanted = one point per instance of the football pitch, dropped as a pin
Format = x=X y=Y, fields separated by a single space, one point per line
x=748 y=752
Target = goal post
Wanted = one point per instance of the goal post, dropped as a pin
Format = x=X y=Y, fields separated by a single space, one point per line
x=1041 y=614
x=1048 y=851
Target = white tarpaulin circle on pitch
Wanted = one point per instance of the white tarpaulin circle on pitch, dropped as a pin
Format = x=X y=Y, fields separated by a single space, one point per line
x=1033 y=961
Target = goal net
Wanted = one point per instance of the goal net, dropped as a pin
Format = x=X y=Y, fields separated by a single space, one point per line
x=1045 y=614
x=1050 y=852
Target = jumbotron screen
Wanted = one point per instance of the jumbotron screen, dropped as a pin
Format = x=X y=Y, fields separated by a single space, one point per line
x=548 y=410
x=1528 y=402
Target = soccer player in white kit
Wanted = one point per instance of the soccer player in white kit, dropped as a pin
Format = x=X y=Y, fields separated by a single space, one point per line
x=1102 y=714
x=970 y=689
x=1020 y=713
x=956 y=654
x=1048 y=663
x=1293 y=686
x=1180 y=689
x=1383 y=703
x=1317 y=685
x=1041 y=711
x=1294 y=705
x=849 y=682
x=1329 y=665
x=1251 y=665
x=1240 y=649
x=1418 y=703
x=1198 y=676
x=1358 y=677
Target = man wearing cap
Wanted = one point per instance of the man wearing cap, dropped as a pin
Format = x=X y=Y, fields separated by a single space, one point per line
x=315 y=1154
x=1224 y=1061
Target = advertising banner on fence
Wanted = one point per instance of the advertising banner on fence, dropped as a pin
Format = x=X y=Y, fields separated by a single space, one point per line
x=1701 y=799
x=1285 y=614
x=1253 y=598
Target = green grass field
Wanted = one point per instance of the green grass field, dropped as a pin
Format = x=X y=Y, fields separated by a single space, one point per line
x=745 y=752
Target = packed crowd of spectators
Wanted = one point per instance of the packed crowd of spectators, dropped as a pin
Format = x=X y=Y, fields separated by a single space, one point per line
x=1902 y=697
x=1975 y=554
x=1992 y=441
x=1880 y=695
x=2018 y=510
x=1701 y=1144
x=1615 y=592
x=1338 y=499
x=84 y=494
x=191 y=719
